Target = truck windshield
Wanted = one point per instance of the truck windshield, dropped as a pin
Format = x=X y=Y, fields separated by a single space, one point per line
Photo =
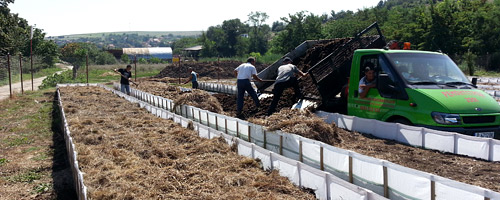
x=427 y=69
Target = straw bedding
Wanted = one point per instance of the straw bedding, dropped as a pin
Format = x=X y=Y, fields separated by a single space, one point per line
x=126 y=153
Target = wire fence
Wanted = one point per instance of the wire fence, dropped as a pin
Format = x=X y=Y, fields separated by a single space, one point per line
x=17 y=72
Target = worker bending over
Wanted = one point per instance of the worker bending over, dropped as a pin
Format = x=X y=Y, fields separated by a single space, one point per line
x=244 y=73
x=193 y=78
x=286 y=78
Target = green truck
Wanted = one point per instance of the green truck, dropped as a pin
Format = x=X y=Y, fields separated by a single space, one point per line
x=412 y=87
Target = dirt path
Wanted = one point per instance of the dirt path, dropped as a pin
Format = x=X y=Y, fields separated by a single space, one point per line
x=16 y=87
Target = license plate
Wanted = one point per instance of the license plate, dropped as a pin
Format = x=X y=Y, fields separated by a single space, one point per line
x=485 y=134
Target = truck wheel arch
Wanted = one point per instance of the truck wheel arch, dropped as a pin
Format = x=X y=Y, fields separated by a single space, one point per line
x=399 y=119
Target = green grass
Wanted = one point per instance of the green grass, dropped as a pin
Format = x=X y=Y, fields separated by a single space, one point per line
x=101 y=74
x=26 y=177
x=27 y=143
x=30 y=149
x=483 y=73
x=43 y=155
x=17 y=140
x=27 y=76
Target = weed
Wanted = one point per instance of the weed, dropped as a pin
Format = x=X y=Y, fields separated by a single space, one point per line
x=3 y=161
x=19 y=140
x=42 y=156
x=41 y=188
x=31 y=149
x=27 y=177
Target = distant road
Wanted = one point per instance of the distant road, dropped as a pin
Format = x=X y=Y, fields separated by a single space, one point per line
x=16 y=87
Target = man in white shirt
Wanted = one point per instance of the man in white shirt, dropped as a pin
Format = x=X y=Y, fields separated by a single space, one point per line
x=244 y=73
x=286 y=78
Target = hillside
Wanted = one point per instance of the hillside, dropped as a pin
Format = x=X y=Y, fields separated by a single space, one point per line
x=126 y=39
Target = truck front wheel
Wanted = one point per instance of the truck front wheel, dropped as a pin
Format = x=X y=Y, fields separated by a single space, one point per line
x=402 y=121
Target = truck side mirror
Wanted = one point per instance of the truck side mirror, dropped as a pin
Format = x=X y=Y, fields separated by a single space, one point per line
x=474 y=81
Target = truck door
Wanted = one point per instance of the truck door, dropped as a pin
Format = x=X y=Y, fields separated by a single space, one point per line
x=379 y=100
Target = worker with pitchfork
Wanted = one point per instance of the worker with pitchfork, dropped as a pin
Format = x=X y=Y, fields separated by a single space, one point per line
x=286 y=78
x=193 y=77
x=244 y=73
x=126 y=74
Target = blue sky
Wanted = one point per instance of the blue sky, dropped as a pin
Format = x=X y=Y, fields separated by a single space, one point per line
x=63 y=17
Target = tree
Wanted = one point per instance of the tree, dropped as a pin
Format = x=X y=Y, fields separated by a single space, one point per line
x=277 y=26
x=260 y=33
x=105 y=58
x=4 y=3
x=299 y=27
x=233 y=30
x=125 y=59
x=209 y=47
x=182 y=43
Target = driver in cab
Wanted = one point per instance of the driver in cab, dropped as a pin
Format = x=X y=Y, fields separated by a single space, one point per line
x=368 y=81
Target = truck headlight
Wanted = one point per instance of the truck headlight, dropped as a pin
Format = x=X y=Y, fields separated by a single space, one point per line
x=445 y=118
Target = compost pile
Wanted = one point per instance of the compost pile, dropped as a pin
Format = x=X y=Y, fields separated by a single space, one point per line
x=127 y=153
x=199 y=99
x=214 y=70
x=249 y=108
x=303 y=123
x=159 y=87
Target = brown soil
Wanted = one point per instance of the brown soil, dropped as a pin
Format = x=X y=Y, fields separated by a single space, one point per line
x=126 y=153
x=249 y=108
x=214 y=70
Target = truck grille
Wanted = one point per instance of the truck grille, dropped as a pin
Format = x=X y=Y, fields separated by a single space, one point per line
x=479 y=119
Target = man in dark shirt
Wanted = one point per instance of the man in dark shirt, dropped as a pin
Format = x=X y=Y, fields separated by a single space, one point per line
x=286 y=78
x=125 y=79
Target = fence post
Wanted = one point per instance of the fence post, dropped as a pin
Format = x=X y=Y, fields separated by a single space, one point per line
x=192 y=113
x=225 y=124
x=87 y=68
x=249 y=134
x=10 y=78
x=216 y=123
x=321 y=161
x=265 y=139
x=31 y=58
x=301 y=158
x=350 y=170
x=21 y=69
x=237 y=129
x=135 y=67
x=199 y=116
x=433 y=190
x=386 y=183
x=208 y=120
x=281 y=144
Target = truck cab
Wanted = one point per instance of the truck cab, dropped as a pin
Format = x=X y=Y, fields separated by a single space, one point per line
x=423 y=89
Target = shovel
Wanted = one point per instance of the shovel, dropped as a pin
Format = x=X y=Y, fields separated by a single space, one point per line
x=126 y=78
